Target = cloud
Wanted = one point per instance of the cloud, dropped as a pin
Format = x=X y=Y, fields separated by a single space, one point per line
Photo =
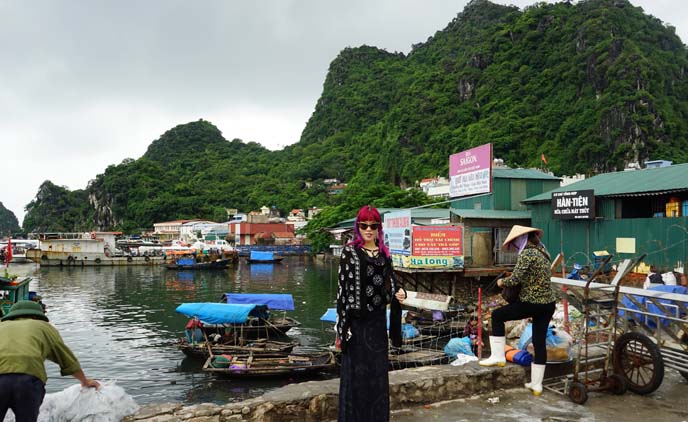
x=87 y=84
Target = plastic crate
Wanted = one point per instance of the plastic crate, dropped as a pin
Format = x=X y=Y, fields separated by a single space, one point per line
x=598 y=257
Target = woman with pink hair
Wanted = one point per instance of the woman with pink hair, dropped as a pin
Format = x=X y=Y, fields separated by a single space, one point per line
x=367 y=284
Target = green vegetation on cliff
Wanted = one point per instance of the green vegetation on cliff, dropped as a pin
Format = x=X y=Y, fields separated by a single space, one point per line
x=8 y=222
x=593 y=86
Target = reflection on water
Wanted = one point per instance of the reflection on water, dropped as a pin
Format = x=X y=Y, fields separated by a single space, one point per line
x=121 y=323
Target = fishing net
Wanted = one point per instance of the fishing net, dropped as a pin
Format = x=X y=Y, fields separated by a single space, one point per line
x=76 y=404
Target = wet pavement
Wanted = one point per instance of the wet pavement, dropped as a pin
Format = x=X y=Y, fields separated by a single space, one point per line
x=668 y=403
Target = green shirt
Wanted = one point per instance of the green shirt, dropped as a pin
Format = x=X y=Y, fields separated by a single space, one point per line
x=26 y=343
x=532 y=272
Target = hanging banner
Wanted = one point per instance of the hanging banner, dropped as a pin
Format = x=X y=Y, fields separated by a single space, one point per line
x=438 y=241
x=573 y=205
x=397 y=228
x=470 y=172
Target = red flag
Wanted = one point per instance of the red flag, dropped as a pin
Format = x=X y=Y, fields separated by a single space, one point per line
x=542 y=157
x=8 y=252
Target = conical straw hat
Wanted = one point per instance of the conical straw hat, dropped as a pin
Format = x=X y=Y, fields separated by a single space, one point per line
x=517 y=231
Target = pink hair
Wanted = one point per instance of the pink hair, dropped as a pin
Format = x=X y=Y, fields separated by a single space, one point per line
x=368 y=213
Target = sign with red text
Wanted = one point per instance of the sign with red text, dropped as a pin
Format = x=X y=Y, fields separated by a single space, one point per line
x=438 y=240
x=470 y=172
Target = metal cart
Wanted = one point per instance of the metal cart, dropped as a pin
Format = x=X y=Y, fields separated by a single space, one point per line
x=650 y=334
x=592 y=369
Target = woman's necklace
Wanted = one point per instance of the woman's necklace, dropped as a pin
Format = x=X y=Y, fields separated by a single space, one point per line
x=371 y=252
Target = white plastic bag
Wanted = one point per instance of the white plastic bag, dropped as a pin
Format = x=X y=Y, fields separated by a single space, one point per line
x=462 y=359
x=78 y=404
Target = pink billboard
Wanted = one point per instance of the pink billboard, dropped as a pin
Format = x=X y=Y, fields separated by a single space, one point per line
x=470 y=171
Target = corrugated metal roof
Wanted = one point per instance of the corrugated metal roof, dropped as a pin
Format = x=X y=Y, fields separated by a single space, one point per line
x=654 y=181
x=507 y=173
x=491 y=214
x=415 y=213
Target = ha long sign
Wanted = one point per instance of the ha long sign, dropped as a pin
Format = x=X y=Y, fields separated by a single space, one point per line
x=573 y=205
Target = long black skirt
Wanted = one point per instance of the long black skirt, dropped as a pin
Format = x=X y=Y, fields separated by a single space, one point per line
x=364 y=373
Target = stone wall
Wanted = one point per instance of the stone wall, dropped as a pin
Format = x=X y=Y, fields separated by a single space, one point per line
x=317 y=400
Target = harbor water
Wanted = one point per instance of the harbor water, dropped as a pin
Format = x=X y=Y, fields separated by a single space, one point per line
x=122 y=325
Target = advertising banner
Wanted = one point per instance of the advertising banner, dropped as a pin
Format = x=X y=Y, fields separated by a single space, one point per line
x=573 y=205
x=430 y=262
x=470 y=172
x=437 y=241
x=397 y=228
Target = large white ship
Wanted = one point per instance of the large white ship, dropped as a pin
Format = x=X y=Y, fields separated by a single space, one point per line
x=92 y=249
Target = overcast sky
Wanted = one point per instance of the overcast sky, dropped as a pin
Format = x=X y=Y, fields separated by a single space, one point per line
x=86 y=84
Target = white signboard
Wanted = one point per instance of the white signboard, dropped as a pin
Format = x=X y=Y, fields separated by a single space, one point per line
x=470 y=172
x=397 y=228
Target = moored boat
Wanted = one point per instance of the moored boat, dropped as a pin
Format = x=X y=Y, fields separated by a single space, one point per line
x=268 y=323
x=292 y=365
x=95 y=249
x=258 y=257
x=192 y=264
x=260 y=347
x=13 y=290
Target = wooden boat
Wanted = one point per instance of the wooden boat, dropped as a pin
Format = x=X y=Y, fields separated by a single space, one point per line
x=260 y=323
x=260 y=347
x=191 y=264
x=12 y=291
x=255 y=366
x=257 y=257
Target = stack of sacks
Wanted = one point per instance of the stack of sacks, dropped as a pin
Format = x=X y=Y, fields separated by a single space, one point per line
x=521 y=357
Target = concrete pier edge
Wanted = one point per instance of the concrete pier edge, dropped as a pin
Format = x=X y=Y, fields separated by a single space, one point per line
x=318 y=400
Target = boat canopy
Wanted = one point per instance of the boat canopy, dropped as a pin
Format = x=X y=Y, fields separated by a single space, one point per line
x=217 y=313
x=331 y=315
x=283 y=302
x=262 y=256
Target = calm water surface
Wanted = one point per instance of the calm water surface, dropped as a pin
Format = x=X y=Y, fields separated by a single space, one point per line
x=121 y=323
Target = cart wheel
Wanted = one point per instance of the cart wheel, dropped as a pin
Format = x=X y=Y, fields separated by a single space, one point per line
x=578 y=393
x=617 y=384
x=639 y=361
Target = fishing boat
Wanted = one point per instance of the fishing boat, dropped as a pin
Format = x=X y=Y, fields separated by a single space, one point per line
x=293 y=365
x=190 y=263
x=267 y=323
x=13 y=290
x=94 y=249
x=262 y=347
x=258 y=257
x=19 y=248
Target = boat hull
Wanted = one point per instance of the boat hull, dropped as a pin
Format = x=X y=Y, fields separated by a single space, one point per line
x=88 y=259
x=287 y=366
x=259 y=348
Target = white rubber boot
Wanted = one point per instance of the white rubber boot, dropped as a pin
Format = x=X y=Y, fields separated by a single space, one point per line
x=537 y=373
x=497 y=357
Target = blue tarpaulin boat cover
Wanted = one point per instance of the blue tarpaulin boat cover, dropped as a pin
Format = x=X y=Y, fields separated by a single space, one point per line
x=331 y=316
x=282 y=302
x=216 y=313
x=262 y=256
x=186 y=261
x=646 y=302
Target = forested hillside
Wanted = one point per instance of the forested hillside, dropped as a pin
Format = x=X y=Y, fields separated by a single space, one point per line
x=8 y=222
x=593 y=86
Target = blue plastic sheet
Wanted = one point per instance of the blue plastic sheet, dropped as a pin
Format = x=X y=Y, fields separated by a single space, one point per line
x=216 y=313
x=461 y=345
x=648 y=304
x=282 y=302
x=262 y=256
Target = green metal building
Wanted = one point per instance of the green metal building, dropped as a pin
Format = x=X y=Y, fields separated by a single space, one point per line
x=487 y=219
x=635 y=212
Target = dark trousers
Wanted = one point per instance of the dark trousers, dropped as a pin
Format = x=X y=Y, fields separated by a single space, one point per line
x=541 y=314
x=23 y=394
